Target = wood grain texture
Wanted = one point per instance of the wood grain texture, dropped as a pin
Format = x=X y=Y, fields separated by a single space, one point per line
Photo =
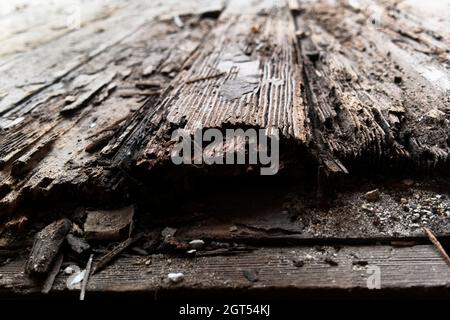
x=254 y=49
x=352 y=95
x=46 y=246
x=400 y=268
x=45 y=131
x=86 y=117
x=370 y=91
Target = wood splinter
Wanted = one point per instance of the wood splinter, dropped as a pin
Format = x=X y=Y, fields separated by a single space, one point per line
x=437 y=244
x=52 y=275
x=87 y=273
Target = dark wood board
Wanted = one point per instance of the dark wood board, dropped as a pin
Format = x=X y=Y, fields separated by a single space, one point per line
x=324 y=268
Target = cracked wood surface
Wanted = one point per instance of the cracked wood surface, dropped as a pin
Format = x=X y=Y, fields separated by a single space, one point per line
x=46 y=129
x=86 y=116
x=377 y=91
x=80 y=110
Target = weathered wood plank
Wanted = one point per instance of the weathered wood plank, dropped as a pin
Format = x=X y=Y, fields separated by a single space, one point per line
x=348 y=95
x=349 y=219
x=376 y=93
x=45 y=147
x=292 y=268
x=254 y=50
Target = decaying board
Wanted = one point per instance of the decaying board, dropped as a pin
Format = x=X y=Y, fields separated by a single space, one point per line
x=376 y=92
x=352 y=96
x=86 y=119
x=73 y=104
x=46 y=247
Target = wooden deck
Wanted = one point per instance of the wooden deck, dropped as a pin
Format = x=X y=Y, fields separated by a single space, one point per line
x=359 y=91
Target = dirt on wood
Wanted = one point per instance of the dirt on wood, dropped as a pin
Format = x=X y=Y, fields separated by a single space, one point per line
x=358 y=92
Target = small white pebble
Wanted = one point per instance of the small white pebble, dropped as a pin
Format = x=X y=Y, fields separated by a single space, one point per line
x=197 y=244
x=175 y=277
x=74 y=281
x=78 y=278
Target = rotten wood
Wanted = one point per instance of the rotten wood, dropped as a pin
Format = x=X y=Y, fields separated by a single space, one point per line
x=380 y=111
x=109 y=224
x=46 y=247
x=31 y=160
x=48 y=284
x=323 y=90
x=78 y=245
x=205 y=77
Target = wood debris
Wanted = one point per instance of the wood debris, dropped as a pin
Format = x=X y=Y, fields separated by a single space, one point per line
x=48 y=284
x=78 y=245
x=46 y=247
x=437 y=244
x=335 y=93
x=109 y=224
x=86 y=277
x=16 y=223
x=206 y=77
x=92 y=126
